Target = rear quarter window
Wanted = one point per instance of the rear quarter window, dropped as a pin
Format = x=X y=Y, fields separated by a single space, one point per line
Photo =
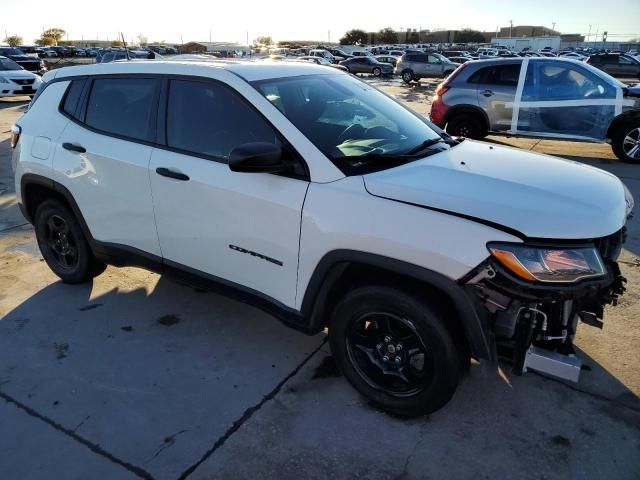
x=72 y=97
x=506 y=75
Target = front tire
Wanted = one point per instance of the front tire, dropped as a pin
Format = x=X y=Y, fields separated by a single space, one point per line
x=376 y=72
x=63 y=245
x=395 y=350
x=625 y=142
x=466 y=125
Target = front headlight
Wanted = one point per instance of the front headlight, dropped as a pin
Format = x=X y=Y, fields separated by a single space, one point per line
x=548 y=264
x=3 y=80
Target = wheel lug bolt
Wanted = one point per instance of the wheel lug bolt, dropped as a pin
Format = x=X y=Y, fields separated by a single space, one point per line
x=385 y=358
x=398 y=360
x=399 y=347
x=387 y=339
x=379 y=346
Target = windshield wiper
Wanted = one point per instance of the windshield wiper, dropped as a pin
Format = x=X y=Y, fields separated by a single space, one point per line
x=425 y=144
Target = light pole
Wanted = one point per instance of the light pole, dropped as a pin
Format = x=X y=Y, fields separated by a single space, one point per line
x=510 y=28
x=553 y=26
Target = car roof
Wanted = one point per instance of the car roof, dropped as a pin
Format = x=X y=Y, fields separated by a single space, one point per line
x=250 y=70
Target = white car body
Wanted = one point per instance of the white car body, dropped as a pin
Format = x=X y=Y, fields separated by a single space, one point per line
x=13 y=83
x=271 y=234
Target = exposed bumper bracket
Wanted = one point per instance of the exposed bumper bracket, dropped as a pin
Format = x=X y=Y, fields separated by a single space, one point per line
x=555 y=364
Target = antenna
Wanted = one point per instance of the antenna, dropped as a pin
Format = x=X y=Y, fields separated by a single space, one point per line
x=126 y=49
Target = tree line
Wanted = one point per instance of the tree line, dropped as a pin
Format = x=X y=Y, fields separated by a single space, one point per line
x=389 y=35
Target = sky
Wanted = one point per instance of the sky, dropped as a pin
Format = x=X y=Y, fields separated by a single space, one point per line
x=199 y=20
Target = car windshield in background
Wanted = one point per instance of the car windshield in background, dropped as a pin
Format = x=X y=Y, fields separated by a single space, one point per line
x=358 y=127
x=11 y=51
x=7 y=64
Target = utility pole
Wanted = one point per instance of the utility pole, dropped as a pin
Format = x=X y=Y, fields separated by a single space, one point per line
x=589 y=34
x=510 y=28
x=553 y=26
x=209 y=36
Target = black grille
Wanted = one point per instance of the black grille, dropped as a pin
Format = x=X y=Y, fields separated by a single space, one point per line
x=23 y=81
x=31 y=66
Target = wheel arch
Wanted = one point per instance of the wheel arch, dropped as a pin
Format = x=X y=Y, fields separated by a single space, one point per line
x=621 y=120
x=467 y=109
x=340 y=270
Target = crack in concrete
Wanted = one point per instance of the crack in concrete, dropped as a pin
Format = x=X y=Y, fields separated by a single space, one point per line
x=248 y=413
x=71 y=433
x=13 y=227
x=405 y=470
x=166 y=443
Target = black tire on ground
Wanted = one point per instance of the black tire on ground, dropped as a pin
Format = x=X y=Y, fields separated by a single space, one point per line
x=625 y=141
x=63 y=245
x=376 y=72
x=466 y=125
x=442 y=361
x=407 y=76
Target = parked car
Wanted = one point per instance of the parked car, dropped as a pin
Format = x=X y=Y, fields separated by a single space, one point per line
x=321 y=61
x=361 y=53
x=28 y=62
x=460 y=60
x=574 y=55
x=560 y=98
x=47 y=53
x=486 y=52
x=414 y=66
x=616 y=64
x=319 y=52
x=367 y=64
x=390 y=59
x=330 y=205
x=15 y=81
x=336 y=52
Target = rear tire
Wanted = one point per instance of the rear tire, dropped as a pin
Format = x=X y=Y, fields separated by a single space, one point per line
x=367 y=327
x=63 y=245
x=466 y=125
x=407 y=76
x=625 y=142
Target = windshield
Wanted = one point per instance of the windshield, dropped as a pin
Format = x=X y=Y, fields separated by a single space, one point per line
x=11 y=51
x=6 y=64
x=351 y=122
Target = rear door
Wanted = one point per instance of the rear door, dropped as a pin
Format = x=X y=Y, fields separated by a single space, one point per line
x=103 y=156
x=242 y=228
x=434 y=66
x=496 y=89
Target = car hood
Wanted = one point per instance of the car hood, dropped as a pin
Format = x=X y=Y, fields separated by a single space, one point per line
x=536 y=195
x=23 y=58
x=17 y=74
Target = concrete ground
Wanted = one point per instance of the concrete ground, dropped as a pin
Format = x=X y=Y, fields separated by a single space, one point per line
x=134 y=375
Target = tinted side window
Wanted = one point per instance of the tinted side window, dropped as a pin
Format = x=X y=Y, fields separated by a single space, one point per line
x=72 y=97
x=207 y=118
x=497 y=75
x=123 y=106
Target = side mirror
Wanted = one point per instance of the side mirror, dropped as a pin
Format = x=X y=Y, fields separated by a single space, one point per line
x=258 y=157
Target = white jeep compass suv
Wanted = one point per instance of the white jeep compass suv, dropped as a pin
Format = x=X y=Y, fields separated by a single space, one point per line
x=308 y=193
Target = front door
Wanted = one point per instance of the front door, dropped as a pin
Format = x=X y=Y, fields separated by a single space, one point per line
x=496 y=89
x=242 y=228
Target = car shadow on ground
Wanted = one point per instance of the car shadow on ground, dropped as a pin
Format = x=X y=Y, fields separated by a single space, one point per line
x=156 y=372
x=137 y=359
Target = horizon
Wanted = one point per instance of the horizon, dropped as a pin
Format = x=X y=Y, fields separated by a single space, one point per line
x=203 y=22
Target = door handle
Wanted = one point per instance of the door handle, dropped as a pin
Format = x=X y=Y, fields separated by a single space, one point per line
x=167 y=172
x=487 y=93
x=74 y=147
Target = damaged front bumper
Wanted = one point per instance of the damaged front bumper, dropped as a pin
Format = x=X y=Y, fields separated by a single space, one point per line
x=533 y=324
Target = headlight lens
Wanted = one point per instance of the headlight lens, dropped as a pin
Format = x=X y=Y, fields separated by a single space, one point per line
x=3 y=80
x=548 y=264
x=628 y=198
